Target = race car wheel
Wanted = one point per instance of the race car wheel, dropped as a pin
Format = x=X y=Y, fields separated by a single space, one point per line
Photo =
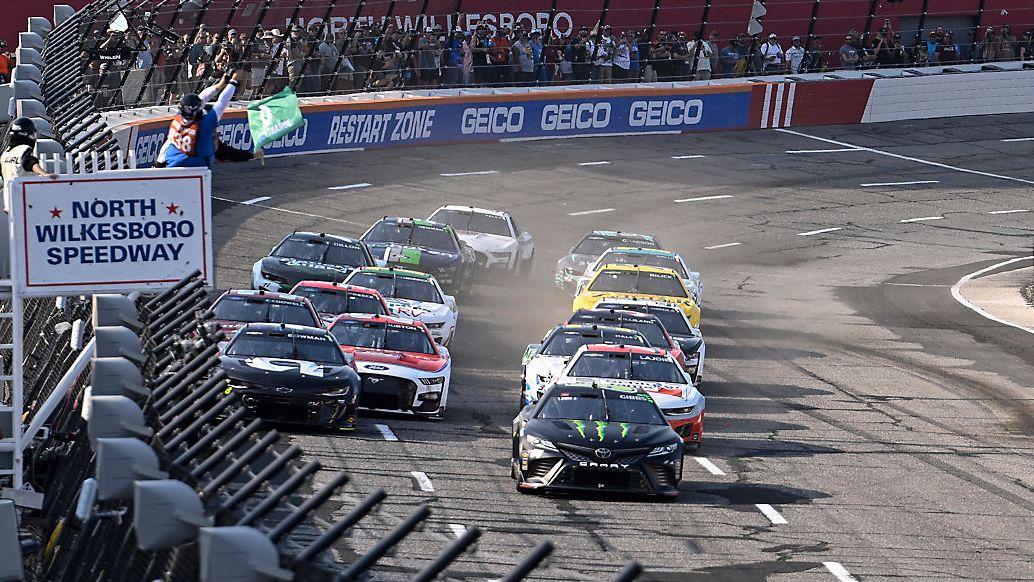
x=524 y=266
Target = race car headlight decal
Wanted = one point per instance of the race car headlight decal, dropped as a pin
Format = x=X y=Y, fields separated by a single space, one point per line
x=435 y=325
x=569 y=271
x=679 y=411
x=273 y=278
x=433 y=380
x=664 y=450
x=339 y=392
x=543 y=443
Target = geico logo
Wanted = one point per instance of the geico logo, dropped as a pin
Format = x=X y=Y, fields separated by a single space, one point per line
x=575 y=116
x=492 y=120
x=672 y=112
x=294 y=139
x=147 y=147
x=236 y=135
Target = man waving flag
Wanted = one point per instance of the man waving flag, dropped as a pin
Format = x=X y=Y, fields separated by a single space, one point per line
x=274 y=117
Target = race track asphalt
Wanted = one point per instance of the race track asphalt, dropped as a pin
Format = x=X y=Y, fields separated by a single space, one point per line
x=892 y=428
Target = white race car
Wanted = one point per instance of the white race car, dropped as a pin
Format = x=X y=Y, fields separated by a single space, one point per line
x=652 y=370
x=402 y=369
x=646 y=257
x=543 y=361
x=414 y=295
x=492 y=234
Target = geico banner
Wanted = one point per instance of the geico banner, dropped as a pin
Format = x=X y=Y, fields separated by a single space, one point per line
x=444 y=120
x=110 y=232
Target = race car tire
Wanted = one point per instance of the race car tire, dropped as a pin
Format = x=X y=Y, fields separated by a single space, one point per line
x=524 y=266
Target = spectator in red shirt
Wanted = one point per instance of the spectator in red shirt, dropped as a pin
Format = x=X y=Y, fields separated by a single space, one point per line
x=946 y=52
x=503 y=71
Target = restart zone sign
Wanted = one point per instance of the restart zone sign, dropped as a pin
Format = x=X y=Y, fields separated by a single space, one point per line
x=444 y=120
x=132 y=230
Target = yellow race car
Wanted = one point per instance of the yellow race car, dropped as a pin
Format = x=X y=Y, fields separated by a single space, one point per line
x=638 y=282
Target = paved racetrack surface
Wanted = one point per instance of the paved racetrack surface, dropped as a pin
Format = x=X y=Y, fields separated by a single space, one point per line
x=889 y=426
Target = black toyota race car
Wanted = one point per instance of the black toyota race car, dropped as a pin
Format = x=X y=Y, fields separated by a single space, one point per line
x=294 y=374
x=421 y=245
x=309 y=256
x=596 y=437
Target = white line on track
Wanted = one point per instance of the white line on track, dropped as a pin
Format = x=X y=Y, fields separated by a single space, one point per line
x=711 y=248
x=956 y=292
x=599 y=163
x=702 y=198
x=910 y=183
x=820 y=231
x=295 y=212
x=837 y=569
x=922 y=219
x=1012 y=139
x=693 y=157
x=350 y=186
x=423 y=481
x=256 y=200
x=481 y=173
x=457 y=530
x=909 y=158
x=1009 y=211
x=832 y=151
x=707 y=464
x=386 y=432
x=770 y=512
x=584 y=212
x=913 y=285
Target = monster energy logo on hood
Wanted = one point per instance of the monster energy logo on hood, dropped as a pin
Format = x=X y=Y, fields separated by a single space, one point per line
x=601 y=428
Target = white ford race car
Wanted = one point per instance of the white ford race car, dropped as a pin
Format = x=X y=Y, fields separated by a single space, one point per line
x=544 y=361
x=402 y=369
x=492 y=234
x=414 y=295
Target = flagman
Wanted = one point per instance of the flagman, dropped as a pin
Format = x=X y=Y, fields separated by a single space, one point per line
x=192 y=138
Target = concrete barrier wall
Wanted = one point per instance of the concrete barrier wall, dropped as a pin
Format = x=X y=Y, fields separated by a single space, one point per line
x=436 y=118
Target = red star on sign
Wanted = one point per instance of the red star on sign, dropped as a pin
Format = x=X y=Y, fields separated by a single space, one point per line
x=172 y=208
x=55 y=212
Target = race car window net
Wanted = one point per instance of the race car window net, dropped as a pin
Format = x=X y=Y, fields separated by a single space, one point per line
x=381 y=336
x=603 y=406
x=597 y=245
x=320 y=251
x=623 y=366
x=422 y=290
x=341 y=301
x=643 y=259
x=412 y=234
x=566 y=343
x=638 y=282
x=287 y=346
x=255 y=310
x=473 y=221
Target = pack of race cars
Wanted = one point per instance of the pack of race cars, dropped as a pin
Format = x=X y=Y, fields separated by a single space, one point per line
x=609 y=398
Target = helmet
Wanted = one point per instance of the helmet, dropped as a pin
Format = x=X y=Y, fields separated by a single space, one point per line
x=21 y=131
x=191 y=106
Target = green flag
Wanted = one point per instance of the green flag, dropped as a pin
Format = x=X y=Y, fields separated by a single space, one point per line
x=274 y=117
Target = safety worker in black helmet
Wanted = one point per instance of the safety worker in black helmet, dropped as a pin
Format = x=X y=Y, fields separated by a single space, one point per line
x=192 y=141
x=17 y=160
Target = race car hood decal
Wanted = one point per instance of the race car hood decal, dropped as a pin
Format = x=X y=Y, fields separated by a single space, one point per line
x=594 y=433
x=300 y=375
x=414 y=256
x=295 y=270
x=487 y=243
x=416 y=309
x=419 y=362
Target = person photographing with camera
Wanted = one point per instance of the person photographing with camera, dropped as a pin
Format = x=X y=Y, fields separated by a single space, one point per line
x=192 y=140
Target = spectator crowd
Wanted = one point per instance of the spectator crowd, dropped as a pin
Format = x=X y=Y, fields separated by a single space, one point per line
x=122 y=65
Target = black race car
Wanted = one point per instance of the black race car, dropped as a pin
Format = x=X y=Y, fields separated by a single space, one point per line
x=309 y=256
x=422 y=245
x=596 y=437
x=294 y=374
x=572 y=266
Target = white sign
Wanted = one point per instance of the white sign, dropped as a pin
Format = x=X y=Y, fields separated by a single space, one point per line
x=111 y=232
